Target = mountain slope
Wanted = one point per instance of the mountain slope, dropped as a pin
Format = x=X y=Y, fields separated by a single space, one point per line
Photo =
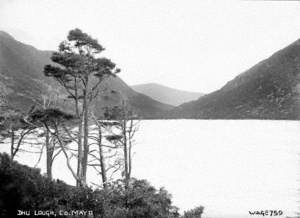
x=21 y=75
x=165 y=94
x=143 y=105
x=269 y=90
x=21 y=70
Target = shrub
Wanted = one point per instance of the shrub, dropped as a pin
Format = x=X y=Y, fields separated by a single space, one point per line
x=194 y=213
x=24 y=188
x=139 y=200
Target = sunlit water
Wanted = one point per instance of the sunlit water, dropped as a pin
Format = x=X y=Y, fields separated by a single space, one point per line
x=230 y=167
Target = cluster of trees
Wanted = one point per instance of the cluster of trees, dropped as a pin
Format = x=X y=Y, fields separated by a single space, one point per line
x=102 y=143
x=24 y=189
x=79 y=70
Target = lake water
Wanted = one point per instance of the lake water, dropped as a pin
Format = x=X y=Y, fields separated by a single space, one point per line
x=228 y=166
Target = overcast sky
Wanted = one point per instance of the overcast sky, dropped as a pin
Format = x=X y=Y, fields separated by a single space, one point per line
x=190 y=45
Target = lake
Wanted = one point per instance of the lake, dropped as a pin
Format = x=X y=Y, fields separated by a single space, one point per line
x=228 y=166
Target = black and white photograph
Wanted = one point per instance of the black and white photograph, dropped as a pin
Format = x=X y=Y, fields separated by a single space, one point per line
x=149 y=109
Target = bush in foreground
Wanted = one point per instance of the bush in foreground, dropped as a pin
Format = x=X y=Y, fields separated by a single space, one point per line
x=194 y=213
x=24 y=188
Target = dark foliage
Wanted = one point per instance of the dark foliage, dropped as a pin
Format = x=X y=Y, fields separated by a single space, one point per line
x=24 y=188
x=50 y=115
x=194 y=213
x=76 y=61
x=13 y=121
x=139 y=200
x=82 y=39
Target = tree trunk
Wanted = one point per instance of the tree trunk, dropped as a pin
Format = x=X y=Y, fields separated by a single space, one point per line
x=125 y=151
x=102 y=160
x=79 y=139
x=85 y=132
x=129 y=159
x=85 y=144
x=79 y=159
x=12 y=143
x=49 y=154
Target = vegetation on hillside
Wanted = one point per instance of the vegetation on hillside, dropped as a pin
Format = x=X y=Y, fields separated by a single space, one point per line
x=21 y=79
x=268 y=90
x=23 y=188
x=100 y=143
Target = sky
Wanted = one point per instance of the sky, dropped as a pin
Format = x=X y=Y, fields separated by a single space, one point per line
x=194 y=45
x=191 y=45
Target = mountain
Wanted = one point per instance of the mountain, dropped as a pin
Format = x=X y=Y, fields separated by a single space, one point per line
x=143 y=105
x=21 y=70
x=23 y=81
x=166 y=94
x=268 y=90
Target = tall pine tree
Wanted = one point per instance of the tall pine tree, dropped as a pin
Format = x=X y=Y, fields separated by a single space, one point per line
x=80 y=70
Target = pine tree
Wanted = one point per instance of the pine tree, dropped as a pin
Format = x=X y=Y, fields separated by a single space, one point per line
x=80 y=70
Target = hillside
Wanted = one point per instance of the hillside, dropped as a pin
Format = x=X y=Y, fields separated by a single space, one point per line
x=166 y=94
x=21 y=70
x=269 y=90
x=22 y=78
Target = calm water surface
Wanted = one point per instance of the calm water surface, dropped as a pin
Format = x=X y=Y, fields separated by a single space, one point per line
x=230 y=167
